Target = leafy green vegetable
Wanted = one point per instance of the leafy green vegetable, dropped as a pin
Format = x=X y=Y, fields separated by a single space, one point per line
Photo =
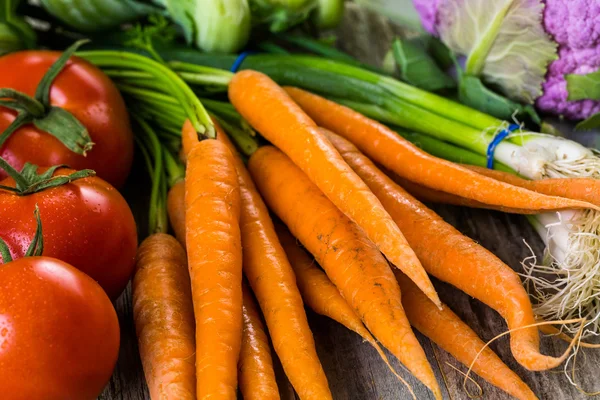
x=328 y=14
x=15 y=33
x=221 y=26
x=592 y=122
x=97 y=15
x=442 y=55
x=417 y=67
x=279 y=15
x=504 y=41
x=474 y=93
x=581 y=87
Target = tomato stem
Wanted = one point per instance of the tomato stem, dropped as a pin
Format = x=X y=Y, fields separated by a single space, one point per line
x=36 y=248
x=28 y=181
x=5 y=252
x=38 y=110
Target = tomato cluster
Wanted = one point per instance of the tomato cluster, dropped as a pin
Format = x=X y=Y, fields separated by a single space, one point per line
x=59 y=332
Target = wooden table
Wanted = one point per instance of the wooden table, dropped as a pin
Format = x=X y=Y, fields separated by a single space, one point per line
x=353 y=368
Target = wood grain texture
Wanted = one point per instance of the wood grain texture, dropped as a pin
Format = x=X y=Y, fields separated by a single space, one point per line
x=353 y=368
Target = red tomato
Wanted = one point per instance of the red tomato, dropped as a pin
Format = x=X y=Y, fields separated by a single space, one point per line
x=88 y=94
x=59 y=333
x=86 y=223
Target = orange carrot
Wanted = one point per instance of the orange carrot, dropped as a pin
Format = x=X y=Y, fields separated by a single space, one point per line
x=449 y=332
x=255 y=366
x=349 y=258
x=214 y=251
x=274 y=114
x=274 y=284
x=454 y=258
x=176 y=210
x=386 y=147
x=584 y=189
x=435 y=196
x=164 y=318
x=320 y=294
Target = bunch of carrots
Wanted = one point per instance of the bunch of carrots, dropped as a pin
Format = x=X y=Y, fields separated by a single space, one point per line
x=349 y=242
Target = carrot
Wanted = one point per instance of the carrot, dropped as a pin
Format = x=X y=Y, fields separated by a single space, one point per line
x=320 y=294
x=212 y=212
x=176 y=210
x=274 y=284
x=435 y=196
x=267 y=107
x=449 y=332
x=388 y=148
x=349 y=258
x=584 y=189
x=255 y=366
x=454 y=258
x=164 y=318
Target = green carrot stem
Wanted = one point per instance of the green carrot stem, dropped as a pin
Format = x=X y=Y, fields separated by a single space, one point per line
x=200 y=69
x=245 y=143
x=170 y=81
x=154 y=162
x=175 y=171
x=147 y=94
x=199 y=79
x=221 y=108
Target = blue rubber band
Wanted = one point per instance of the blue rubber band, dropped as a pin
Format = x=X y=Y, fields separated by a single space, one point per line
x=496 y=141
x=239 y=60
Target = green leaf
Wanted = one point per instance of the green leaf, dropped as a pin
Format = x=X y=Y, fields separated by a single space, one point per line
x=97 y=15
x=15 y=33
x=65 y=127
x=590 y=123
x=474 y=93
x=582 y=87
x=442 y=55
x=504 y=41
x=417 y=67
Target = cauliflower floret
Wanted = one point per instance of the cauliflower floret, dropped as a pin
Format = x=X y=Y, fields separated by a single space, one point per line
x=573 y=23
x=554 y=98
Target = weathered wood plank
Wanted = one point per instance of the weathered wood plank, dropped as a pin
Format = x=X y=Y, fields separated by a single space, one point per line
x=353 y=367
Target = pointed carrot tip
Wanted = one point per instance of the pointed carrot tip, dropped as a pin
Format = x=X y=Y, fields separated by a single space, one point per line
x=431 y=294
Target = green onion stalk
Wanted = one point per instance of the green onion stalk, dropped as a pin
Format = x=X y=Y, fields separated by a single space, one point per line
x=531 y=154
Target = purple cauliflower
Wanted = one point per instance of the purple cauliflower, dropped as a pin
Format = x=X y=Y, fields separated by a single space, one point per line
x=575 y=27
